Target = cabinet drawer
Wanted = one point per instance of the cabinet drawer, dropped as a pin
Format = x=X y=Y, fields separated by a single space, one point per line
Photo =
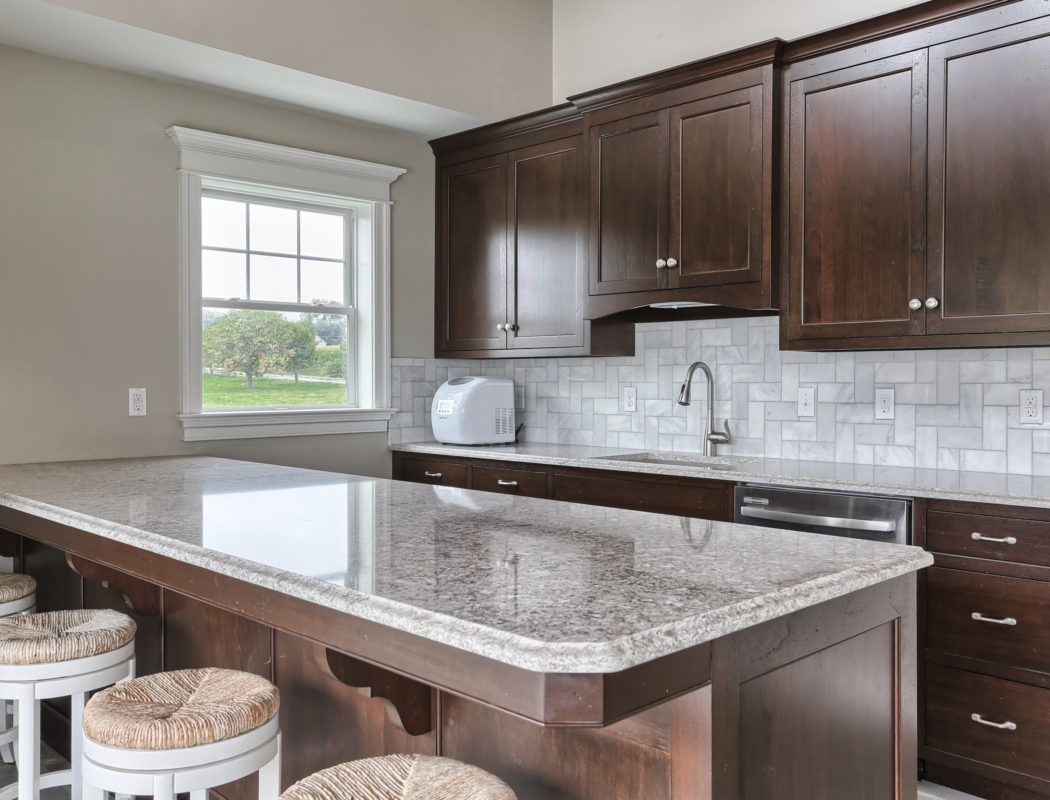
x=661 y=498
x=1023 y=540
x=954 y=596
x=427 y=470
x=527 y=483
x=954 y=696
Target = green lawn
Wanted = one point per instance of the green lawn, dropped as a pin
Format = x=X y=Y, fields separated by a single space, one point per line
x=226 y=391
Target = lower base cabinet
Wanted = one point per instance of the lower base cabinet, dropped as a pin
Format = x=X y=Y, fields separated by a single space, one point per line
x=984 y=710
x=660 y=494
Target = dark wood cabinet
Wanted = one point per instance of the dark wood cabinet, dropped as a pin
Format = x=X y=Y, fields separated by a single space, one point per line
x=857 y=200
x=547 y=257
x=628 y=204
x=682 y=187
x=985 y=666
x=989 y=163
x=511 y=245
x=661 y=494
x=917 y=175
x=472 y=241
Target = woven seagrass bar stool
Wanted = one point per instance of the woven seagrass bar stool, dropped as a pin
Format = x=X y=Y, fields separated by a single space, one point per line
x=17 y=596
x=400 y=777
x=182 y=731
x=58 y=654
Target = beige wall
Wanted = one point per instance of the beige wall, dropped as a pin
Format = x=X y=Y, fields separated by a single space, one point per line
x=598 y=42
x=490 y=58
x=89 y=267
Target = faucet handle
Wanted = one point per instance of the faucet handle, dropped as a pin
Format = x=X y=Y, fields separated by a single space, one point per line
x=721 y=438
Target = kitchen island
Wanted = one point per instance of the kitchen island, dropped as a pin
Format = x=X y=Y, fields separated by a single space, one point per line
x=576 y=651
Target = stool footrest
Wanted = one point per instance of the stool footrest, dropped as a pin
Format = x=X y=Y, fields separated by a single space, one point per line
x=48 y=780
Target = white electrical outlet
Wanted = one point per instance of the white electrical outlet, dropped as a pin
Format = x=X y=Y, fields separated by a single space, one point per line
x=1031 y=406
x=806 y=401
x=136 y=402
x=884 y=404
x=630 y=398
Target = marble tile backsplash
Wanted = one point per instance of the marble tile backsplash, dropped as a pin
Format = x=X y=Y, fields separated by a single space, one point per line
x=955 y=409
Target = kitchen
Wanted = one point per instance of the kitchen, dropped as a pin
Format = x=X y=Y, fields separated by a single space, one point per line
x=954 y=409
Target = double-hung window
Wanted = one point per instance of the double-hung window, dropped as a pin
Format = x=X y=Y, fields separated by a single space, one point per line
x=285 y=290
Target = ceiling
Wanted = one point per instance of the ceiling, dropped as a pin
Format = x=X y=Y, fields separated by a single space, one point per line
x=52 y=30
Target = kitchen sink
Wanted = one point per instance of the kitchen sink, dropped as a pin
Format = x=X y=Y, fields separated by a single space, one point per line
x=680 y=460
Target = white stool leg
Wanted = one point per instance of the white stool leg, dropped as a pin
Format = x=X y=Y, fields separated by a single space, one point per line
x=28 y=743
x=164 y=787
x=91 y=792
x=270 y=776
x=7 y=751
x=76 y=743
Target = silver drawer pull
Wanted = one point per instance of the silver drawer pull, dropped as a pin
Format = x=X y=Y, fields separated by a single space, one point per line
x=1003 y=726
x=980 y=537
x=506 y=483
x=432 y=474
x=977 y=615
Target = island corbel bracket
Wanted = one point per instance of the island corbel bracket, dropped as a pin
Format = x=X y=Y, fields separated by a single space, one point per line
x=408 y=703
x=141 y=597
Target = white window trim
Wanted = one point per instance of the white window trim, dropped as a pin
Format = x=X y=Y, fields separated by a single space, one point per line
x=214 y=157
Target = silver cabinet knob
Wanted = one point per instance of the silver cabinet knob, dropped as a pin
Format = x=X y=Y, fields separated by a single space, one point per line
x=509 y=326
x=1003 y=726
x=429 y=474
x=931 y=302
x=660 y=263
x=672 y=262
x=502 y=482
x=500 y=327
x=915 y=304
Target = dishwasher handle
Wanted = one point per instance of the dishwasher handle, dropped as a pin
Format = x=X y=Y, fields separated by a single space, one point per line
x=848 y=523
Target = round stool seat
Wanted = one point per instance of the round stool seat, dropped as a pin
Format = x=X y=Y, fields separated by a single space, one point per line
x=14 y=586
x=63 y=635
x=185 y=708
x=400 y=777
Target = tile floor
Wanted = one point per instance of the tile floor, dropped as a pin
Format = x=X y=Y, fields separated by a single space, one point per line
x=929 y=791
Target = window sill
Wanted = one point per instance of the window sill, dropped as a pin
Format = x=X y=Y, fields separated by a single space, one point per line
x=208 y=426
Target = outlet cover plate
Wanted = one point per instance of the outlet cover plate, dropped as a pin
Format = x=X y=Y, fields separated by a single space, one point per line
x=136 y=402
x=1031 y=407
x=884 y=404
x=630 y=398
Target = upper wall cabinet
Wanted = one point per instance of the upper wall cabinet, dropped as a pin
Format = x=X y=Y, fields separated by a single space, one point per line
x=511 y=241
x=857 y=200
x=681 y=185
x=918 y=202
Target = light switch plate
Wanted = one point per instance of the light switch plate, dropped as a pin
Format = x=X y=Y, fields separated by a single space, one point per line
x=884 y=404
x=1031 y=406
x=806 y=400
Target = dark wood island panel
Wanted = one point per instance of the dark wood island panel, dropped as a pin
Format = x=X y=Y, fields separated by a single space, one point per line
x=733 y=730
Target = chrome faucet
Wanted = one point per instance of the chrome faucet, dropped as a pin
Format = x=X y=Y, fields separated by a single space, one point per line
x=711 y=439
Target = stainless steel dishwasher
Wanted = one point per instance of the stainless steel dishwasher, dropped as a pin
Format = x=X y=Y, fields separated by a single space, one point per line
x=858 y=516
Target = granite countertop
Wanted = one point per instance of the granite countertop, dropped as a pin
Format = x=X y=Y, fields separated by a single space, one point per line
x=539 y=584
x=974 y=487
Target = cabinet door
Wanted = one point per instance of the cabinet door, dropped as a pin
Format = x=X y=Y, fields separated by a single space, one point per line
x=547 y=238
x=628 y=204
x=472 y=252
x=990 y=181
x=718 y=190
x=857 y=200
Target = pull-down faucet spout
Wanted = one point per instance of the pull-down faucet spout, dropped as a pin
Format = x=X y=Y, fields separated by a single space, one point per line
x=711 y=439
